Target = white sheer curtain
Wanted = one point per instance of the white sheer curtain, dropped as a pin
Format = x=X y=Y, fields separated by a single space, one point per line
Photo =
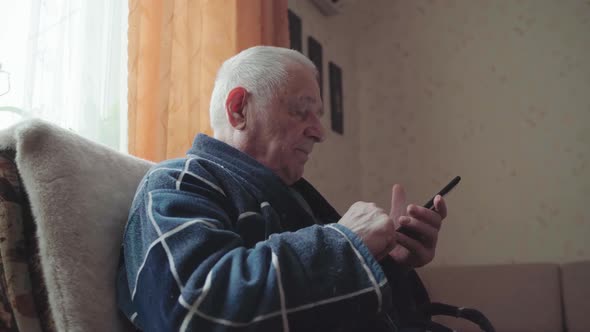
x=67 y=61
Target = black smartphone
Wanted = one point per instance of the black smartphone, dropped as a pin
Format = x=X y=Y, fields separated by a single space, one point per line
x=430 y=205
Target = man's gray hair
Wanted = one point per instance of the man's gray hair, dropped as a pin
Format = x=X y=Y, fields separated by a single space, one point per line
x=262 y=70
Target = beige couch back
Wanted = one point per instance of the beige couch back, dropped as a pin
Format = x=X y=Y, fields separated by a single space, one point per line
x=515 y=297
x=575 y=278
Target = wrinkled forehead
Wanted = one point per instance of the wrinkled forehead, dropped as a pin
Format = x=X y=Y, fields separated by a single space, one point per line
x=300 y=90
x=305 y=103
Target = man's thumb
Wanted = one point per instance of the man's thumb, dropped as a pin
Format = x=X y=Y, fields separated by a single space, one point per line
x=398 y=202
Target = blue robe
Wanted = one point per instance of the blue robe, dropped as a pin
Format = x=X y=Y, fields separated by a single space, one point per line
x=216 y=241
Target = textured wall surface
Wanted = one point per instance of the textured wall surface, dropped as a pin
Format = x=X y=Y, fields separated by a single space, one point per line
x=495 y=91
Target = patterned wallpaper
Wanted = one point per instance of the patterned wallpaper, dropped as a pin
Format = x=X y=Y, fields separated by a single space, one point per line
x=497 y=92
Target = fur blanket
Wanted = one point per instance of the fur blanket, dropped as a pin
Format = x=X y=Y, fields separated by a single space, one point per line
x=80 y=193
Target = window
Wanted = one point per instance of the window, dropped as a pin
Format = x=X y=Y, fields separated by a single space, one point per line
x=65 y=61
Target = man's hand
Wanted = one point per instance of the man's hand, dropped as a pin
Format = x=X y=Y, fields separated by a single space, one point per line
x=373 y=226
x=423 y=221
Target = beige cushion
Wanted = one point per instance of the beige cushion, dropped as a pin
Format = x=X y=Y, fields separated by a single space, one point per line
x=80 y=193
x=516 y=298
x=576 y=295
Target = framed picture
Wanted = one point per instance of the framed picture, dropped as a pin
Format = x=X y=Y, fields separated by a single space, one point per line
x=336 y=101
x=314 y=50
x=295 y=32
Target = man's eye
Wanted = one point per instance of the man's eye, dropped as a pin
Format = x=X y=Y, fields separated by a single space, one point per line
x=302 y=114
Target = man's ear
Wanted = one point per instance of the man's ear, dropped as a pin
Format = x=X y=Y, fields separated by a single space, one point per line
x=235 y=106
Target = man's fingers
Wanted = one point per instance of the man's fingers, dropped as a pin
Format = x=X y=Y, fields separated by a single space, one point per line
x=398 y=202
x=387 y=250
x=428 y=216
x=414 y=246
x=428 y=234
x=441 y=206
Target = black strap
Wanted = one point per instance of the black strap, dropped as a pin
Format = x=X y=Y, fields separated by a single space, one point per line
x=472 y=315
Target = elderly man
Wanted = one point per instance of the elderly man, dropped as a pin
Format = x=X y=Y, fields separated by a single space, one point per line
x=231 y=237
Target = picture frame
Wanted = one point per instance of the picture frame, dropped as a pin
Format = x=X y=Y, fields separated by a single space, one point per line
x=336 y=98
x=295 y=35
x=314 y=52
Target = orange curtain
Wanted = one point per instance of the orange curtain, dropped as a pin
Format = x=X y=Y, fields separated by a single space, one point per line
x=175 y=49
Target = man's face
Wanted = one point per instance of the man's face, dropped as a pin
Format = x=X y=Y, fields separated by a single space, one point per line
x=284 y=133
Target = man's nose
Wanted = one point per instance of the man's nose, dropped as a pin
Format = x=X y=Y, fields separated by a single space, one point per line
x=316 y=129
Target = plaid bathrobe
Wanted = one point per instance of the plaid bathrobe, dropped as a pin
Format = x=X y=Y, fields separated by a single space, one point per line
x=217 y=242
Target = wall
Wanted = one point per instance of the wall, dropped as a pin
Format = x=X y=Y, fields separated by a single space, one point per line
x=334 y=166
x=497 y=92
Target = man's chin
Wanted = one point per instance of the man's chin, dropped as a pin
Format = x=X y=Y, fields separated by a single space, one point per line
x=295 y=176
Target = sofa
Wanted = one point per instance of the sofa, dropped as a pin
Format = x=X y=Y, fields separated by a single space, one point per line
x=535 y=297
x=63 y=206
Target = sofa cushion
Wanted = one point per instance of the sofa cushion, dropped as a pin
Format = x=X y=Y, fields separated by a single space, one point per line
x=575 y=279
x=516 y=298
x=80 y=193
